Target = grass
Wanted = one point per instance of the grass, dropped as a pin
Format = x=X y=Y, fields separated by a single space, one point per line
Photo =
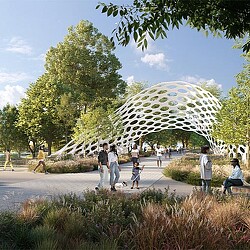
x=150 y=220
x=187 y=170
x=77 y=165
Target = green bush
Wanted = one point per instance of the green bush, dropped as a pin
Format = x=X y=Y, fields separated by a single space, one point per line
x=67 y=166
x=190 y=177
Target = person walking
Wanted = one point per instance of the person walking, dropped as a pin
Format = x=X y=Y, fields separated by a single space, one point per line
x=8 y=160
x=135 y=154
x=103 y=166
x=114 y=167
x=236 y=178
x=41 y=160
x=159 y=152
x=205 y=169
x=169 y=152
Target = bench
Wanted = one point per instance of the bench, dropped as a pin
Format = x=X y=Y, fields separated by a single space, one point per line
x=241 y=189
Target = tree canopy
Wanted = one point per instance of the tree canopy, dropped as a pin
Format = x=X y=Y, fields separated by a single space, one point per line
x=154 y=18
x=85 y=66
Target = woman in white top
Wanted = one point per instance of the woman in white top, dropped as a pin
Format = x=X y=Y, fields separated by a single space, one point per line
x=205 y=169
x=135 y=154
x=236 y=179
x=114 y=167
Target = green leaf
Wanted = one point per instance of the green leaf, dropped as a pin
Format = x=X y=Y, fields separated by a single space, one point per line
x=104 y=9
x=110 y=11
x=135 y=36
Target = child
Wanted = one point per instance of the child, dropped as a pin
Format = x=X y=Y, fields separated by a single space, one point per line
x=136 y=174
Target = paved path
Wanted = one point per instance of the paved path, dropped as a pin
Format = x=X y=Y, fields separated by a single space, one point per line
x=20 y=185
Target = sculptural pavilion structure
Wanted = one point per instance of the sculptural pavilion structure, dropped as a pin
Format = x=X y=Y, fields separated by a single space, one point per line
x=167 y=105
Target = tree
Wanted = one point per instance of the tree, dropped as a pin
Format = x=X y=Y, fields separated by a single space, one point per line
x=153 y=18
x=86 y=67
x=197 y=140
x=233 y=120
x=213 y=88
x=98 y=124
x=11 y=137
x=37 y=114
x=134 y=89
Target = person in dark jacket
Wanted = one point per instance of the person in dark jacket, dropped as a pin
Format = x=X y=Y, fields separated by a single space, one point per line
x=103 y=166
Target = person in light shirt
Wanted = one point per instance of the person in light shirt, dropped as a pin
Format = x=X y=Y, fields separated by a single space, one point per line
x=114 y=167
x=236 y=178
x=159 y=153
x=205 y=169
x=135 y=154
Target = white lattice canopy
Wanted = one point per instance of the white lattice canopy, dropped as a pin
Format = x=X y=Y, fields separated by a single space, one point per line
x=167 y=105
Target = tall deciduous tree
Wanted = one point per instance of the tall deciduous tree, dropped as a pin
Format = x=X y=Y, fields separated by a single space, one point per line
x=85 y=65
x=154 y=18
x=11 y=137
x=37 y=113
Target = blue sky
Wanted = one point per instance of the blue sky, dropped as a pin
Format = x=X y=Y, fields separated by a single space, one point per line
x=28 y=28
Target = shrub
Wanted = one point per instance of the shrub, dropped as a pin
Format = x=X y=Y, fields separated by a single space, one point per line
x=150 y=220
x=67 y=166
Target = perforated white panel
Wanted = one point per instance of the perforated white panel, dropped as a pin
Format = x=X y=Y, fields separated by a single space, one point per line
x=167 y=105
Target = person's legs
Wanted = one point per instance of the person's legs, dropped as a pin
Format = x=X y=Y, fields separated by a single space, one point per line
x=133 y=183
x=203 y=185
x=157 y=161
x=160 y=161
x=5 y=165
x=37 y=166
x=112 y=172
x=11 y=166
x=208 y=186
x=44 y=167
x=101 y=182
x=228 y=183
x=137 y=184
x=117 y=174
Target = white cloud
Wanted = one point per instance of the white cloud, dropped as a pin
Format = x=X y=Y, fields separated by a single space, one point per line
x=8 y=78
x=40 y=57
x=18 y=45
x=198 y=80
x=11 y=95
x=155 y=60
x=130 y=80
x=153 y=56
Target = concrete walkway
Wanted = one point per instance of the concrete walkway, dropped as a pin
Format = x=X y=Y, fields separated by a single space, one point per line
x=20 y=185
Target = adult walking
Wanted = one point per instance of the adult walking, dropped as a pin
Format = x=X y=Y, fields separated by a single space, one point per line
x=236 y=178
x=103 y=166
x=159 y=153
x=114 y=167
x=41 y=160
x=8 y=160
x=205 y=169
x=135 y=154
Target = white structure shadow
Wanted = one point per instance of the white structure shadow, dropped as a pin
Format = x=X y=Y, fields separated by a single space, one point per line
x=167 y=105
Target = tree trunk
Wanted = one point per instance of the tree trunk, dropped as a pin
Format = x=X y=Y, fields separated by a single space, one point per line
x=49 y=147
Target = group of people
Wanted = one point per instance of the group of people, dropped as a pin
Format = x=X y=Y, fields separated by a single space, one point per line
x=108 y=164
x=40 y=157
x=235 y=179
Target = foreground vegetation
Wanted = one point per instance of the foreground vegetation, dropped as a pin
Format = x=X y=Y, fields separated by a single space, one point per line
x=187 y=170
x=150 y=220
